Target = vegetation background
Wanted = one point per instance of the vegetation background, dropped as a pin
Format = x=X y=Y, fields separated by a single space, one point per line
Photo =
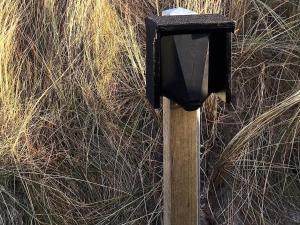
x=80 y=144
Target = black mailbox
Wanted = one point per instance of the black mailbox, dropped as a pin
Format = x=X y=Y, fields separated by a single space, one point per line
x=188 y=57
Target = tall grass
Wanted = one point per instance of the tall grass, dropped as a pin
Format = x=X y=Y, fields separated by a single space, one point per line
x=66 y=156
x=80 y=144
x=255 y=140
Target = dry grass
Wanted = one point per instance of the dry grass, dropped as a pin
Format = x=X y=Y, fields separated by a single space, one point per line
x=256 y=177
x=67 y=147
x=80 y=144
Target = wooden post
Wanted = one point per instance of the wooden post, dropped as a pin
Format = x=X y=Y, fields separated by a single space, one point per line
x=181 y=164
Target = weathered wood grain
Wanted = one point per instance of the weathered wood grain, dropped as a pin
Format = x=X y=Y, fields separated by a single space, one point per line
x=181 y=149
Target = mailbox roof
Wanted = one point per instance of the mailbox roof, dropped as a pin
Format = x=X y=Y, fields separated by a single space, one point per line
x=192 y=22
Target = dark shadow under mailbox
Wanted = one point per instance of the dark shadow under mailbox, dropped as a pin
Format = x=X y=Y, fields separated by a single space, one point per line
x=188 y=58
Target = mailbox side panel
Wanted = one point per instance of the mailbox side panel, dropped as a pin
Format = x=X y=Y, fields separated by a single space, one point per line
x=152 y=66
x=228 y=40
x=220 y=63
